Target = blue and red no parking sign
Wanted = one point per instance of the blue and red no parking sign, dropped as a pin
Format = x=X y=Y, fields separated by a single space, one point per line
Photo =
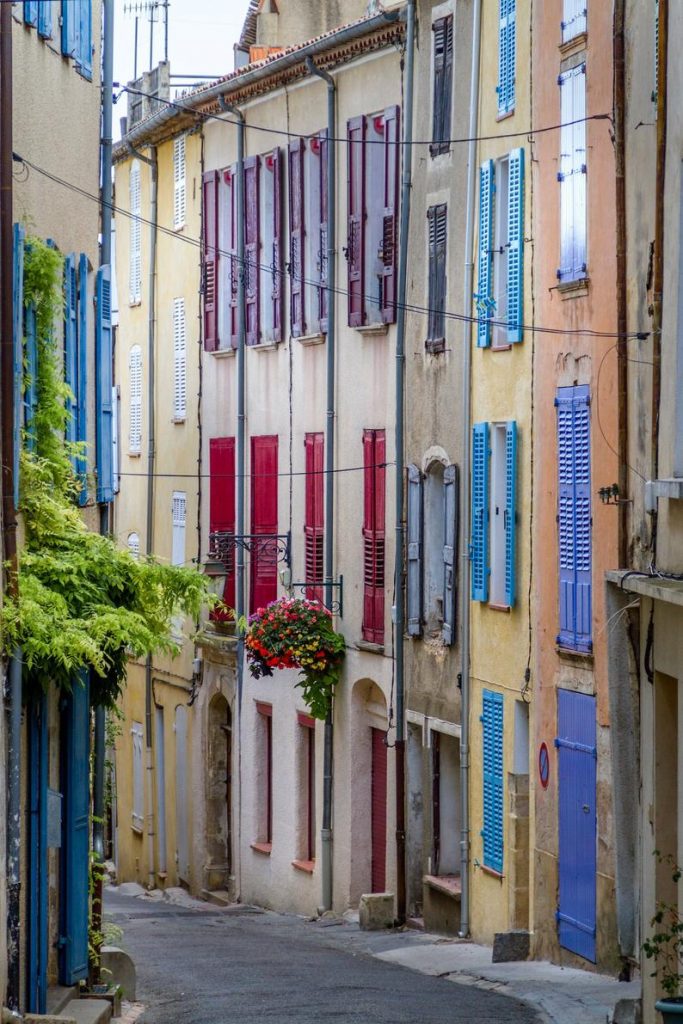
x=544 y=765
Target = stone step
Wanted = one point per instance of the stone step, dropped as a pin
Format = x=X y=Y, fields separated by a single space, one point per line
x=88 y=1011
x=219 y=897
x=58 y=996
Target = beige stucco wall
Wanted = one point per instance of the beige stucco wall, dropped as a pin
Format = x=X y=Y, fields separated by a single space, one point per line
x=294 y=21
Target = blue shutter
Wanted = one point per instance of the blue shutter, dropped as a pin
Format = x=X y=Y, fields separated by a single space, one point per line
x=510 y=512
x=506 y=56
x=70 y=18
x=450 y=562
x=45 y=19
x=30 y=379
x=84 y=38
x=18 y=347
x=38 y=878
x=484 y=281
x=480 y=512
x=414 y=545
x=492 y=758
x=515 y=255
x=70 y=345
x=103 y=387
x=82 y=368
x=583 y=521
x=31 y=12
x=574 y=517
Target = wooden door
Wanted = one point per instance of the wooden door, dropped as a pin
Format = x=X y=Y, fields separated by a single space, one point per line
x=378 y=813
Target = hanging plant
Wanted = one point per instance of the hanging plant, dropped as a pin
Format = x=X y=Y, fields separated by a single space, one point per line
x=296 y=633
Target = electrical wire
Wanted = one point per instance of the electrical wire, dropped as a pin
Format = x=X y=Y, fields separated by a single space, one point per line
x=259 y=476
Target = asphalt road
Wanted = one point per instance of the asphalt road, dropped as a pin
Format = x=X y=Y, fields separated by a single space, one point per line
x=206 y=965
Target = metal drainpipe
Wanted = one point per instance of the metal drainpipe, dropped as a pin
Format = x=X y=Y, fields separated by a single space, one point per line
x=658 y=282
x=328 y=749
x=466 y=525
x=621 y=286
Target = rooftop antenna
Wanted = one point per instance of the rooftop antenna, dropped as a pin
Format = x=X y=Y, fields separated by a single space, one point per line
x=149 y=7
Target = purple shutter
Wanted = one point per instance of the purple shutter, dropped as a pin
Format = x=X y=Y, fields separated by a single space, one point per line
x=323 y=297
x=296 y=237
x=275 y=162
x=356 y=221
x=390 y=222
x=230 y=177
x=583 y=528
x=574 y=517
x=251 y=246
x=210 y=251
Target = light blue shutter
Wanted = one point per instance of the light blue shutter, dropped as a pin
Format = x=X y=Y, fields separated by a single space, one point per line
x=30 y=380
x=510 y=511
x=414 y=561
x=45 y=19
x=492 y=758
x=506 y=55
x=480 y=512
x=450 y=511
x=515 y=256
x=103 y=387
x=84 y=38
x=31 y=12
x=18 y=347
x=484 y=280
x=70 y=18
x=70 y=345
x=82 y=366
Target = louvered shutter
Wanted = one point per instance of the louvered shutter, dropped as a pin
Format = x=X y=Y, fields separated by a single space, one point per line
x=355 y=252
x=252 y=247
x=82 y=370
x=179 y=186
x=574 y=518
x=45 y=19
x=179 y=360
x=374 y=535
x=103 y=387
x=31 y=13
x=135 y=254
x=438 y=231
x=572 y=175
x=573 y=19
x=442 y=31
x=274 y=163
x=210 y=259
x=485 y=275
x=655 y=89
x=17 y=346
x=322 y=184
x=134 y=544
x=414 y=527
x=138 y=808
x=178 y=521
x=71 y=347
x=480 y=512
x=390 y=215
x=84 y=38
x=222 y=502
x=583 y=529
x=75 y=855
x=264 y=519
x=492 y=756
x=515 y=253
x=450 y=561
x=315 y=515
x=31 y=388
x=506 y=56
x=296 y=237
x=135 y=400
x=510 y=512
x=70 y=14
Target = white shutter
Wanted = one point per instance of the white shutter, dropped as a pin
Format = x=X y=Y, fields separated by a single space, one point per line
x=572 y=174
x=573 y=19
x=135 y=371
x=179 y=513
x=135 y=255
x=138 y=809
x=134 y=544
x=179 y=191
x=580 y=157
x=179 y=360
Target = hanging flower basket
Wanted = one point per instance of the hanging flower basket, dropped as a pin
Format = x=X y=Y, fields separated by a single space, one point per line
x=296 y=633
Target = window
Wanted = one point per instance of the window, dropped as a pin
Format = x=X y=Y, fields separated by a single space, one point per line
x=138 y=809
x=222 y=502
x=135 y=384
x=264 y=776
x=179 y=516
x=432 y=530
x=442 y=50
x=308 y=235
x=76 y=272
x=306 y=790
x=500 y=285
x=445 y=804
x=315 y=515
x=179 y=187
x=372 y=245
x=264 y=519
x=104 y=387
x=135 y=254
x=179 y=361
x=134 y=544
x=507 y=56
x=494 y=522
x=573 y=19
x=572 y=175
x=374 y=448
x=438 y=231
x=492 y=742
x=574 y=517
x=76 y=20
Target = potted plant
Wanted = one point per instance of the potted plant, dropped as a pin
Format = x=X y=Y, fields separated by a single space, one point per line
x=665 y=948
x=297 y=633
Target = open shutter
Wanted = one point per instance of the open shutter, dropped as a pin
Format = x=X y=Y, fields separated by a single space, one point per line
x=572 y=174
x=583 y=520
x=274 y=163
x=492 y=743
x=264 y=519
x=84 y=38
x=510 y=512
x=211 y=258
x=442 y=30
x=485 y=277
x=506 y=56
x=355 y=252
x=480 y=512
x=315 y=514
x=178 y=523
x=70 y=16
x=230 y=177
x=574 y=517
x=179 y=360
x=17 y=346
x=71 y=346
x=31 y=389
x=573 y=19
x=515 y=254
x=390 y=219
x=374 y=535
x=45 y=19
x=179 y=187
x=438 y=231
x=31 y=13
x=222 y=502
x=82 y=372
x=323 y=295
x=450 y=561
x=296 y=237
x=135 y=400
x=251 y=247
x=414 y=545
x=103 y=387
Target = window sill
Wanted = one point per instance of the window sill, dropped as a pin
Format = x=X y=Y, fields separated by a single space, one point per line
x=449 y=885
x=492 y=872
x=179 y=419
x=582 y=657
x=436 y=150
x=136 y=302
x=499 y=607
x=264 y=346
x=223 y=353
x=435 y=346
x=310 y=339
x=573 y=289
x=378 y=330
x=134 y=455
x=503 y=115
x=307 y=866
x=501 y=348
x=137 y=830
x=370 y=647
x=179 y=227
x=263 y=848
x=574 y=45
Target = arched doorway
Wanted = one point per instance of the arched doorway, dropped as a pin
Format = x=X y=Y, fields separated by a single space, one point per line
x=219 y=795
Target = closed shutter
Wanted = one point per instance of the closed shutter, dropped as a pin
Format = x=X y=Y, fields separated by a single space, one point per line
x=179 y=360
x=515 y=253
x=574 y=518
x=235 y=266
x=17 y=347
x=179 y=518
x=31 y=13
x=84 y=40
x=274 y=165
x=252 y=247
x=138 y=808
x=31 y=384
x=355 y=252
x=135 y=400
x=480 y=512
x=655 y=89
x=81 y=393
x=574 y=21
x=450 y=561
x=71 y=346
x=103 y=388
x=506 y=55
x=210 y=259
x=70 y=18
x=390 y=215
x=179 y=187
x=442 y=37
x=45 y=19
x=485 y=276
x=296 y=237
x=510 y=512
x=373 y=535
x=492 y=757
x=438 y=232
x=135 y=254
x=322 y=184
x=414 y=550
x=572 y=174
x=264 y=519
x=222 y=502
x=378 y=812
x=315 y=514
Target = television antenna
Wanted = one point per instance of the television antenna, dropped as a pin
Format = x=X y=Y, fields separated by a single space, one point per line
x=150 y=8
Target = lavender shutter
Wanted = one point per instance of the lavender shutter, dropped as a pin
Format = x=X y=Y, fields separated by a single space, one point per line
x=296 y=237
x=323 y=296
x=414 y=551
x=355 y=252
x=210 y=259
x=574 y=517
x=231 y=181
x=276 y=264
x=583 y=520
x=252 y=247
x=390 y=220
x=450 y=562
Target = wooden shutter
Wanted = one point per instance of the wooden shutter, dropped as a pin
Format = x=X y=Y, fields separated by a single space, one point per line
x=572 y=174
x=574 y=518
x=506 y=56
x=322 y=184
x=479 y=554
x=71 y=345
x=297 y=266
x=222 y=502
x=485 y=265
x=450 y=559
x=436 y=800
x=274 y=166
x=230 y=178
x=378 y=811
x=103 y=388
x=179 y=360
x=390 y=215
x=178 y=521
x=210 y=260
x=38 y=878
x=31 y=13
x=81 y=411
x=510 y=512
x=17 y=347
x=135 y=254
x=492 y=742
x=135 y=400
x=442 y=41
x=414 y=550
x=264 y=519
x=573 y=19
x=355 y=252
x=179 y=188
x=84 y=38
x=314 y=514
x=70 y=13
x=252 y=247
x=437 y=218
x=515 y=252
x=373 y=535
x=31 y=389
x=45 y=19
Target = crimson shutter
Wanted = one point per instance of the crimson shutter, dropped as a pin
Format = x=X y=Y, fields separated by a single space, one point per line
x=373 y=536
x=264 y=482
x=222 y=501
x=274 y=162
x=314 y=525
x=355 y=253
x=210 y=247
x=390 y=222
x=251 y=246
x=378 y=812
x=323 y=299
x=296 y=236
x=231 y=181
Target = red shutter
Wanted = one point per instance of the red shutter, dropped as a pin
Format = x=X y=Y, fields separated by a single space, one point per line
x=231 y=179
x=315 y=514
x=274 y=163
x=390 y=219
x=222 y=501
x=264 y=487
x=378 y=811
x=373 y=535
x=252 y=246
x=323 y=243
x=356 y=221
x=296 y=237
x=210 y=253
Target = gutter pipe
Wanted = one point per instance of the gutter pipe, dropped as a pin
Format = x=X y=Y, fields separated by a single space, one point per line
x=328 y=750
x=621 y=239
x=658 y=282
x=466 y=509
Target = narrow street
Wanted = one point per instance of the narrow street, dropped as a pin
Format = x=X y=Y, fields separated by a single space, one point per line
x=203 y=965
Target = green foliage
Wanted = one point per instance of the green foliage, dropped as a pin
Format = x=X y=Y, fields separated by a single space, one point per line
x=665 y=945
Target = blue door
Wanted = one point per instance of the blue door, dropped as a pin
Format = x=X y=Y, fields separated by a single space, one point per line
x=577 y=762
x=37 y=855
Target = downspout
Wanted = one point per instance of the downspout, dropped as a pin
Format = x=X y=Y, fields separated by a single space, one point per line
x=658 y=269
x=406 y=186
x=621 y=240
x=466 y=525
x=328 y=749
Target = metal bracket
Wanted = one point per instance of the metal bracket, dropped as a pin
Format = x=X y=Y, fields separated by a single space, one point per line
x=268 y=548
x=336 y=606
